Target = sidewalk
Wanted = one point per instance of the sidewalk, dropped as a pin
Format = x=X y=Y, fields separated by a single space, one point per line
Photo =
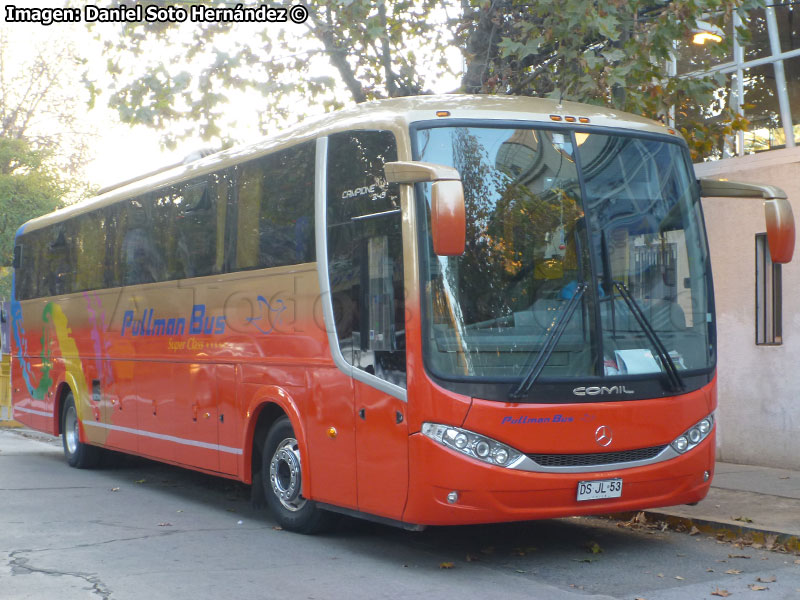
x=759 y=504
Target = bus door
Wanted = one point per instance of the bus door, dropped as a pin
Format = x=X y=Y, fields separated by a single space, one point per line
x=365 y=256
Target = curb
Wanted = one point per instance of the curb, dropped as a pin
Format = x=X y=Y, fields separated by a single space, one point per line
x=771 y=540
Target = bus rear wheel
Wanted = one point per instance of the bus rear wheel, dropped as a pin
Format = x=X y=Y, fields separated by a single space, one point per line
x=282 y=478
x=78 y=454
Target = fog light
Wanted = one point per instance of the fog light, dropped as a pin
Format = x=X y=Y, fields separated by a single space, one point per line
x=452 y=497
x=706 y=475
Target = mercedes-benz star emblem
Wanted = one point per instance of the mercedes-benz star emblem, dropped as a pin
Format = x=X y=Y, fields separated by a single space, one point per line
x=603 y=435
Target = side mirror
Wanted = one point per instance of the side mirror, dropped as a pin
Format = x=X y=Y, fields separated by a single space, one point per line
x=448 y=214
x=777 y=212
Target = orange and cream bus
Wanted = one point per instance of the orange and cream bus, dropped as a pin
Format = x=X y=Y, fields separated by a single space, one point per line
x=424 y=311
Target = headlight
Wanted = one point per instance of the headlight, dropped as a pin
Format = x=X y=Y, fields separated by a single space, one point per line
x=473 y=445
x=696 y=434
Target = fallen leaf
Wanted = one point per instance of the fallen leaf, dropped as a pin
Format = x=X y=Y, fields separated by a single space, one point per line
x=594 y=547
x=738 y=556
x=518 y=552
x=694 y=530
x=140 y=481
x=446 y=565
x=678 y=577
x=520 y=571
x=114 y=489
x=279 y=528
x=660 y=575
x=181 y=510
x=743 y=519
x=733 y=572
x=767 y=580
x=797 y=562
x=719 y=592
x=770 y=541
x=165 y=524
x=757 y=588
x=709 y=570
x=585 y=560
x=787 y=477
x=471 y=558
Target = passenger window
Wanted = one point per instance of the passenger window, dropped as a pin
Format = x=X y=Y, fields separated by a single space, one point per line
x=365 y=253
x=275 y=202
x=88 y=239
x=197 y=228
x=141 y=255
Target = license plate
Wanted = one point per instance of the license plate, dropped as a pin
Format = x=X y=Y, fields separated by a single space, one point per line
x=601 y=488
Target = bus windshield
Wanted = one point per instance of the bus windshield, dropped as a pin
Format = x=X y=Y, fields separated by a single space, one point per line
x=585 y=258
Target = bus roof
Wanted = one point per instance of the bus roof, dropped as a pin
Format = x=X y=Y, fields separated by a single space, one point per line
x=395 y=113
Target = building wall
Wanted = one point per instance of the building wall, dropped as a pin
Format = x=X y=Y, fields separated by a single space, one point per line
x=759 y=386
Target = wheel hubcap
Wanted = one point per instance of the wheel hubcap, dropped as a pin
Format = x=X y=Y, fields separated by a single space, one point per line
x=285 y=475
x=71 y=430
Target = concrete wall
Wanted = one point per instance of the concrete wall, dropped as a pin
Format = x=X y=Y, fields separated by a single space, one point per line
x=759 y=386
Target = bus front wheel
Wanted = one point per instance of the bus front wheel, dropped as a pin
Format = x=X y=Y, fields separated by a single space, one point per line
x=78 y=454
x=282 y=477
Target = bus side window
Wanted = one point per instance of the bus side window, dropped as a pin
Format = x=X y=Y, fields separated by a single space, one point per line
x=197 y=228
x=88 y=233
x=365 y=253
x=140 y=255
x=275 y=207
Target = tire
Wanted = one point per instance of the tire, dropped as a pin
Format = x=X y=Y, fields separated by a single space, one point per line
x=282 y=480
x=78 y=454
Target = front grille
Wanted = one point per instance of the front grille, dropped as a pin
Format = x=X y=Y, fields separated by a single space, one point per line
x=601 y=458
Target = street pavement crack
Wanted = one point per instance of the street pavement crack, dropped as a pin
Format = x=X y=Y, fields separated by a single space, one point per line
x=21 y=565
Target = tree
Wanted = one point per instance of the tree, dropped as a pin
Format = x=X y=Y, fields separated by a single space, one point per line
x=42 y=150
x=610 y=52
x=28 y=189
x=40 y=103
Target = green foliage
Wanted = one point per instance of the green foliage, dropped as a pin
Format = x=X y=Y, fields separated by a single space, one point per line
x=609 y=52
x=185 y=74
x=28 y=189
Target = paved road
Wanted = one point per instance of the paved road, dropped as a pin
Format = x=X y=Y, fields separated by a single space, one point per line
x=141 y=530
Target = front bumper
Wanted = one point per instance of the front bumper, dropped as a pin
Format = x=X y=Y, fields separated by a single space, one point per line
x=488 y=494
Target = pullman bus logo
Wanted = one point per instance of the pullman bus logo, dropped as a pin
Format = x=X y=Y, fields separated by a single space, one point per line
x=603 y=435
x=601 y=391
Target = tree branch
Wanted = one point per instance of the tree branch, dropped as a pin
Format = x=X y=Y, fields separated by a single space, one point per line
x=338 y=57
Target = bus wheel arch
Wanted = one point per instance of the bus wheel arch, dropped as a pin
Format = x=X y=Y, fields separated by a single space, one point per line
x=263 y=418
x=62 y=391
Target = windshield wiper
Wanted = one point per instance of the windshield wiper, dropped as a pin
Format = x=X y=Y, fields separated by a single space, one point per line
x=551 y=339
x=676 y=383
